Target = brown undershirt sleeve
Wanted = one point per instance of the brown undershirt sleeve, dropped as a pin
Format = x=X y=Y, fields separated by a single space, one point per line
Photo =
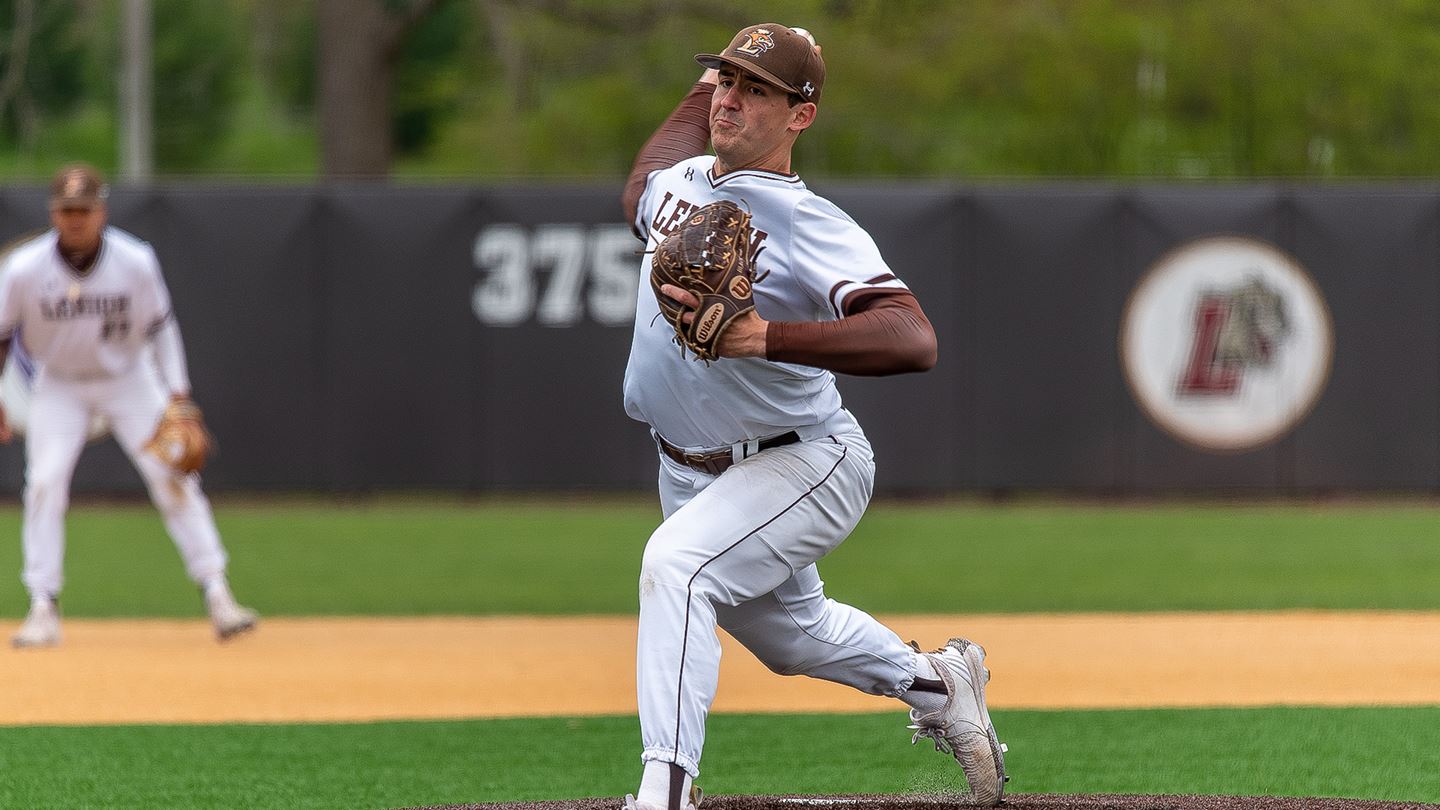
x=882 y=333
x=685 y=134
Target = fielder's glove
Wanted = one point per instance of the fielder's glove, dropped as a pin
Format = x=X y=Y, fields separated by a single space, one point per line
x=709 y=256
x=181 y=439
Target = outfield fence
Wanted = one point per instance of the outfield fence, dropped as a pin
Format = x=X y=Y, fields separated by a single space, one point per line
x=363 y=337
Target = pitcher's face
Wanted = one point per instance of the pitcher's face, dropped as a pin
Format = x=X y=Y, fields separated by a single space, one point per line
x=752 y=122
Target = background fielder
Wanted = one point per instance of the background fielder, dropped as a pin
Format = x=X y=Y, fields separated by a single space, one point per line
x=90 y=305
x=762 y=470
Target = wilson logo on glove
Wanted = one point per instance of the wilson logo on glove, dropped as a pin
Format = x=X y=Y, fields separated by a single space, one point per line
x=708 y=321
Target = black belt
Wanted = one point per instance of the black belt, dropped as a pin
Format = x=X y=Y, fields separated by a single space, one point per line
x=718 y=461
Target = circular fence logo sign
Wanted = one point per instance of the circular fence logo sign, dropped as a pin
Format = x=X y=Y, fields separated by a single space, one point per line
x=1226 y=343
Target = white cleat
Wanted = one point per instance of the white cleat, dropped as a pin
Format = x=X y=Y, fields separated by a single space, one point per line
x=41 y=627
x=229 y=618
x=631 y=803
x=962 y=726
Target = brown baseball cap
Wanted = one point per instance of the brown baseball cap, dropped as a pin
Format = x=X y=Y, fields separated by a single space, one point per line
x=78 y=185
x=778 y=55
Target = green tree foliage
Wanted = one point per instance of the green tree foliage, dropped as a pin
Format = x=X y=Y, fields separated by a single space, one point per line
x=42 y=68
x=429 y=78
x=982 y=88
x=72 y=69
x=198 y=53
x=951 y=88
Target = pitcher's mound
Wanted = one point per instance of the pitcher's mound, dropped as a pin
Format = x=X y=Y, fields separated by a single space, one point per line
x=1033 y=801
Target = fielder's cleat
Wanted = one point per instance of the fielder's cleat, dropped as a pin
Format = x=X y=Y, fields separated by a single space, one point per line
x=229 y=618
x=962 y=727
x=41 y=627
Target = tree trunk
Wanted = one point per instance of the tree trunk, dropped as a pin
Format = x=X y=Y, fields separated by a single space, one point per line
x=499 y=17
x=354 y=88
x=13 y=81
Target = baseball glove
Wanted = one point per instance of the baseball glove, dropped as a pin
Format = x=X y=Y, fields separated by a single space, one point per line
x=181 y=439
x=709 y=255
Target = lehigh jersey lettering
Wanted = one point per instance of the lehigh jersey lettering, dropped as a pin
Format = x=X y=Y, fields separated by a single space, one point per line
x=815 y=257
x=93 y=325
x=673 y=211
x=84 y=306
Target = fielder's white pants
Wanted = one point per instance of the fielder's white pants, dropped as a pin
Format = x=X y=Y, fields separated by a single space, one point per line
x=739 y=550
x=60 y=414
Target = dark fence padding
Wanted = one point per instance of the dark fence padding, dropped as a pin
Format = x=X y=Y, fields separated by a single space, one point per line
x=362 y=337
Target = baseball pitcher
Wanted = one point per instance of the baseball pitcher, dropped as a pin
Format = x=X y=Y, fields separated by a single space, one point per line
x=754 y=292
x=91 y=307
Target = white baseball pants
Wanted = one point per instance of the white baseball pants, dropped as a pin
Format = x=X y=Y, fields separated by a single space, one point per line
x=739 y=550
x=60 y=414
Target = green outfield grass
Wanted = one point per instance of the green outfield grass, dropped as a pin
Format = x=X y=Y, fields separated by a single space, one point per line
x=392 y=557
x=1360 y=753
x=529 y=556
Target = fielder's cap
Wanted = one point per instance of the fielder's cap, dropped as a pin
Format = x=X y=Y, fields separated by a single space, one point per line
x=778 y=55
x=78 y=185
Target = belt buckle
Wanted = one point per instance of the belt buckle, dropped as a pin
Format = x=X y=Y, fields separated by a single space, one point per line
x=708 y=463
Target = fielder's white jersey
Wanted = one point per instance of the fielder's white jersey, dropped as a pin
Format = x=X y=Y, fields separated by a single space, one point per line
x=815 y=255
x=90 y=326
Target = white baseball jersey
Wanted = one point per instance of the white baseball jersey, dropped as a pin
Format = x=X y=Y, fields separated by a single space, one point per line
x=84 y=327
x=815 y=255
x=783 y=509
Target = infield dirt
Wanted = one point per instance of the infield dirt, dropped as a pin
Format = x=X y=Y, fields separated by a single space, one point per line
x=348 y=669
